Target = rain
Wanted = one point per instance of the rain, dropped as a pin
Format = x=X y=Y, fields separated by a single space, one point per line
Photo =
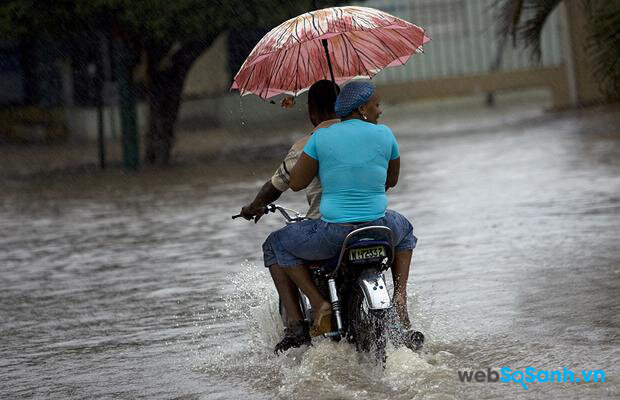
x=124 y=152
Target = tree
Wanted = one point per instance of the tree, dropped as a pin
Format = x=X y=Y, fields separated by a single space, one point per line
x=524 y=20
x=168 y=35
x=604 y=44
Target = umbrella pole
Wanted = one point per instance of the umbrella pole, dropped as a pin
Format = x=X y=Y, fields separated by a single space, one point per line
x=329 y=61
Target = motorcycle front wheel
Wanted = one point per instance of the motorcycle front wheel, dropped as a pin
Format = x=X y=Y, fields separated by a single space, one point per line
x=367 y=328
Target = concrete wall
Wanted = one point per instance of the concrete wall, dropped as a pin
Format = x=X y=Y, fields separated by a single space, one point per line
x=209 y=75
x=553 y=78
x=81 y=122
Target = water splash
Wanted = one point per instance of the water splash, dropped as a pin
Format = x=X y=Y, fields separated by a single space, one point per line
x=238 y=337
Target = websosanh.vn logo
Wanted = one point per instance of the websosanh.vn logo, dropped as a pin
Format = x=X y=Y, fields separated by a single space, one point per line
x=530 y=375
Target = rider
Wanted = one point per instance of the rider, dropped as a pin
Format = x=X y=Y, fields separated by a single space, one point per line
x=321 y=100
x=356 y=161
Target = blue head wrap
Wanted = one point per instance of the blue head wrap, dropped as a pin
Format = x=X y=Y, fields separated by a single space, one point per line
x=353 y=95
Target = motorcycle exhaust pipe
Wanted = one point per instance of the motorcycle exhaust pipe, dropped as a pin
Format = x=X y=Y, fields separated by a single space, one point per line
x=333 y=296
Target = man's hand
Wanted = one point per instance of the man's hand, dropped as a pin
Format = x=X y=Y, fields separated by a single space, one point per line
x=251 y=211
x=256 y=209
x=288 y=102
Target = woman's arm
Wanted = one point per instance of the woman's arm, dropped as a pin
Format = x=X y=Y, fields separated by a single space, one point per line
x=392 y=173
x=303 y=172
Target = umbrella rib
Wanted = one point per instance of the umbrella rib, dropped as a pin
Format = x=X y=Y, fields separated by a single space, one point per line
x=304 y=29
x=319 y=49
x=278 y=44
x=308 y=67
x=316 y=28
x=384 y=17
x=358 y=56
x=297 y=75
x=384 y=44
x=249 y=76
x=347 y=56
x=290 y=82
x=362 y=18
x=348 y=64
x=277 y=70
x=337 y=18
x=404 y=37
x=286 y=84
x=294 y=35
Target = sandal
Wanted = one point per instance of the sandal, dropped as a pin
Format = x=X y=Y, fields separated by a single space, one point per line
x=322 y=323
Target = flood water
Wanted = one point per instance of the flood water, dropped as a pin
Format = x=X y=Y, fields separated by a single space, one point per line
x=141 y=286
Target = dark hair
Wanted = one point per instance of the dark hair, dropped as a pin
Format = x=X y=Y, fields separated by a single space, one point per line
x=322 y=96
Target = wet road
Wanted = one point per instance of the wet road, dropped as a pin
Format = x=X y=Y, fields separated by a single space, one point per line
x=142 y=287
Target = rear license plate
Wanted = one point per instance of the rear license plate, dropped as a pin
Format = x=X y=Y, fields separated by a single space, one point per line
x=366 y=253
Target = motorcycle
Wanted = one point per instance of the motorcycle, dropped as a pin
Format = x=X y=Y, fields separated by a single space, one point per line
x=354 y=283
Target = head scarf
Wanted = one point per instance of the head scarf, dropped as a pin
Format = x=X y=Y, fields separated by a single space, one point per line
x=353 y=95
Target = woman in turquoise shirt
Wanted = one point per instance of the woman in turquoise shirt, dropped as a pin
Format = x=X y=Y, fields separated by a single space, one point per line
x=356 y=161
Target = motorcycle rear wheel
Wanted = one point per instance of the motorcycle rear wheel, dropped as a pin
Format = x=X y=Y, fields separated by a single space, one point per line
x=367 y=328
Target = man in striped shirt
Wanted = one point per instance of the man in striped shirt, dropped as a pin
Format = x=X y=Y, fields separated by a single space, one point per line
x=321 y=100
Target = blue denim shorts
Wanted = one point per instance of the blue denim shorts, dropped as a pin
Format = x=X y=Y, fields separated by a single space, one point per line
x=312 y=240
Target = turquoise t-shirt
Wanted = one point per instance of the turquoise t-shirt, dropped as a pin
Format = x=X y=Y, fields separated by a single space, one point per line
x=353 y=160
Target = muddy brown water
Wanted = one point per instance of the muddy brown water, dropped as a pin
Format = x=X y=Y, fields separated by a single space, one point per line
x=141 y=286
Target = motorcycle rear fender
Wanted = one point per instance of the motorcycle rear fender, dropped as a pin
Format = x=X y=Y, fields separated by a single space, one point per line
x=375 y=291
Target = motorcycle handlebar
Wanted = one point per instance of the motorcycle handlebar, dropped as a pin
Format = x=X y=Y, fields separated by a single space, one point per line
x=283 y=210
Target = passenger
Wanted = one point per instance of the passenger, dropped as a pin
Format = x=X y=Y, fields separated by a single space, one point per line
x=356 y=161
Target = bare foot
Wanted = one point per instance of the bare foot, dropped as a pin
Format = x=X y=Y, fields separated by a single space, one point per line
x=322 y=319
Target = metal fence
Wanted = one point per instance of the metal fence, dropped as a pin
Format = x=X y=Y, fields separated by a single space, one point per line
x=463 y=40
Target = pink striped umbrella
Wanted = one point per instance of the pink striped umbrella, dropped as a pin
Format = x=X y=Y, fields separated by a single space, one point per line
x=344 y=42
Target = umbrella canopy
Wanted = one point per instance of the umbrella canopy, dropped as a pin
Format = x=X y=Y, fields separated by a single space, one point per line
x=360 y=42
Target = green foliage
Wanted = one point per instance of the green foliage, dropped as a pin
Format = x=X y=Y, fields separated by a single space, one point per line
x=524 y=20
x=162 y=28
x=604 y=46
x=157 y=21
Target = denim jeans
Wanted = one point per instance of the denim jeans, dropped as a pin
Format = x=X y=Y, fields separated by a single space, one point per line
x=312 y=240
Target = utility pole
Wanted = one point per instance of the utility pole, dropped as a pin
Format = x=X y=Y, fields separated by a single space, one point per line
x=94 y=72
x=103 y=79
x=496 y=65
x=127 y=106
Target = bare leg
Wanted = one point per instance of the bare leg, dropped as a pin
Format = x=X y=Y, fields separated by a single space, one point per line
x=400 y=275
x=321 y=308
x=288 y=292
x=297 y=332
x=300 y=275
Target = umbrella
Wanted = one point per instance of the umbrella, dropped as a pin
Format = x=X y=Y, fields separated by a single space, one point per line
x=344 y=42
